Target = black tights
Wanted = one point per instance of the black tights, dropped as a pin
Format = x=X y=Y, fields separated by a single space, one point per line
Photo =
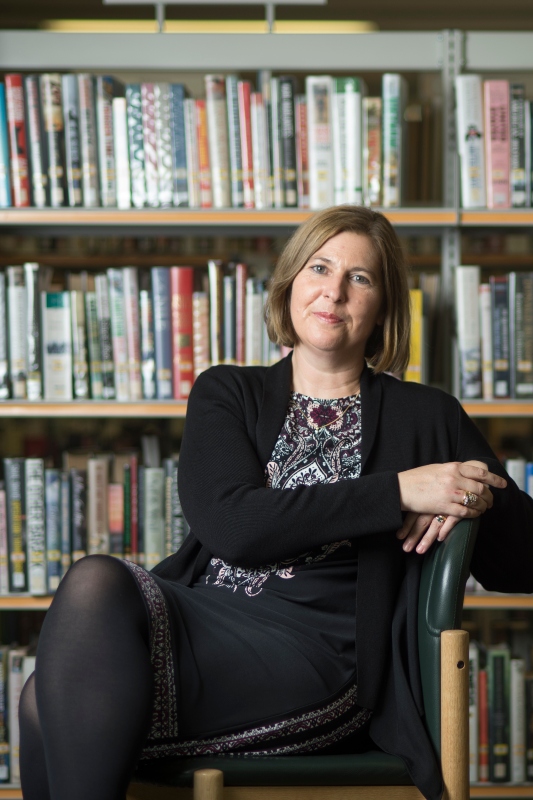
x=85 y=712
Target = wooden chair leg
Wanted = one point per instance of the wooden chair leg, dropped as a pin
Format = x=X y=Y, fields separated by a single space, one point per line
x=454 y=714
x=208 y=784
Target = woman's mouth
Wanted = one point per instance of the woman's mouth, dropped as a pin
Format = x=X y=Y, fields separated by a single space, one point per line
x=332 y=319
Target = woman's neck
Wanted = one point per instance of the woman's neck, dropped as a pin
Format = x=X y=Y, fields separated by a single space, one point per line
x=326 y=381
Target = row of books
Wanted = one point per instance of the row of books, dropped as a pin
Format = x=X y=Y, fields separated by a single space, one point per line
x=101 y=503
x=16 y=666
x=494 y=135
x=125 y=334
x=494 y=334
x=500 y=716
x=79 y=140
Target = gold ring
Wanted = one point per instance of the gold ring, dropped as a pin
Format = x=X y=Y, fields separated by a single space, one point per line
x=469 y=499
x=441 y=518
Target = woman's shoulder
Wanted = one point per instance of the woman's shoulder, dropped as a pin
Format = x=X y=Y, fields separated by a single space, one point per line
x=418 y=393
x=228 y=379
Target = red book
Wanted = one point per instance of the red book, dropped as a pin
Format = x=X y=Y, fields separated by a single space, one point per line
x=244 y=91
x=181 y=289
x=18 y=144
x=497 y=143
x=204 y=166
x=302 y=151
x=241 y=274
x=483 y=718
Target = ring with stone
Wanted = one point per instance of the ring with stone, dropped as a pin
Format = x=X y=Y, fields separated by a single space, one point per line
x=441 y=518
x=469 y=499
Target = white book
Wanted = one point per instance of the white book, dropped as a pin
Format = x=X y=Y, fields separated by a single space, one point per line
x=473 y=711
x=261 y=156
x=34 y=378
x=217 y=137
x=88 y=146
x=80 y=362
x=234 y=141
x=254 y=323
x=154 y=516
x=394 y=93
x=163 y=143
x=347 y=126
x=97 y=517
x=471 y=140
x=191 y=149
x=147 y=345
x=319 y=90
x=4 y=361
x=527 y=147
x=516 y=469
x=35 y=527
x=17 y=327
x=122 y=158
x=467 y=280
x=57 y=345
x=4 y=573
x=517 y=720
x=118 y=333
x=15 y=682
x=133 y=331
x=485 y=323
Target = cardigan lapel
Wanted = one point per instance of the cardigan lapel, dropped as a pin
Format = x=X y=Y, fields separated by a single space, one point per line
x=371 y=390
x=274 y=404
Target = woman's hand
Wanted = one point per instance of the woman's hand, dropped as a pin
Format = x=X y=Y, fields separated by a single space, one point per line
x=433 y=495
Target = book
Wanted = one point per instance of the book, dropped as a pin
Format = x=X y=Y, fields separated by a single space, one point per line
x=115 y=511
x=471 y=140
x=497 y=143
x=347 y=132
x=65 y=524
x=180 y=191
x=122 y=157
x=254 y=322
x=54 y=133
x=417 y=367
x=136 y=144
x=16 y=523
x=467 y=279
x=200 y=332
x=93 y=346
x=529 y=725
x=57 y=345
x=276 y=154
x=517 y=721
x=154 y=516
x=17 y=330
x=52 y=508
x=241 y=276
x=372 y=123
x=498 y=665
x=394 y=99
x=319 y=91
x=288 y=140
x=519 y=189
x=176 y=527
x=78 y=512
x=260 y=151
x=134 y=506
x=162 y=116
x=133 y=331
x=150 y=144
x=521 y=333
x=234 y=141
x=34 y=493
x=140 y=510
x=97 y=500
x=106 y=88
x=71 y=115
x=161 y=299
x=4 y=362
x=483 y=726
x=104 y=328
x=244 y=92
x=147 y=345
x=473 y=708
x=4 y=552
x=36 y=143
x=302 y=150
x=204 y=164
x=4 y=714
x=181 y=289
x=217 y=134
x=485 y=324
x=216 y=311
x=516 y=469
x=191 y=150
x=229 y=295
x=500 y=336
x=5 y=182
x=88 y=142
x=15 y=683
x=18 y=140
x=115 y=279
x=80 y=360
x=34 y=372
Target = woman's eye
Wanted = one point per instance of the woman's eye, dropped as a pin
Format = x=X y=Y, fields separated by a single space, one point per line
x=358 y=278
x=320 y=268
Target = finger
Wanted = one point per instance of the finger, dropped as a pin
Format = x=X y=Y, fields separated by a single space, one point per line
x=448 y=526
x=410 y=519
x=482 y=475
x=430 y=535
x=420 y=526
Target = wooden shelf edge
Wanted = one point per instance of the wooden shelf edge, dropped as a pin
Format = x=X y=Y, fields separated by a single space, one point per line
x=93 y=408
x=501 y=790
x=495 y=600
x=502 y=216
x=21 y=603
x=498 y=408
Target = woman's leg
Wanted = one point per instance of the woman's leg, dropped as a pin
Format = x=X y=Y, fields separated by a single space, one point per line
x=93 y=685
x=32 y=760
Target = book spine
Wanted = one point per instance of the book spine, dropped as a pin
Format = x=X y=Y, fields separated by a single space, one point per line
x=16 y=314
x=15 y=683
x=16 y=121
x=140 y=507
x=16 y=524
x=57 y=345
x=517 y=722
x=133 y=331
x=154 y=519
x=498 y=686
x=4 y=358
x=162 y=116
x=229 y=290
x=500 y=336
x=4 y=714
x=181 y=289
x=319 y=95
x=5 y=182
x=483 y=726
x=191 y=150
x=521 y=333
x=415 y=367
x=35 y=527
x=34 y=381
x=122 y=159
x=393 y=136
x=118 y=333
x=150 y=144
x=93 y=341
x=136 y=144
x=105 y=91
x=354 y=89
x=529 y=726
x=217 y=134
x=245 y=122
x=180 y=191
x=78 y=510
x=288 y=141
x=204 y=166
x=468 y=334
x=485 y=323
x=134 y=513
x=278 y=191
x=200 y=332
x=372 y=151
x=241 y=275
x=516 y=469
x=66 y=544
x=51 y=98
x=497 y=145
x=216 y=311
x=97 y=516
x=473 y=709
x=36 y=144
x=176 y=527
x=254 y=322
x=126 y=512
x=106 y=345
x=4 y=551
x=80 y=364
x=71 y=115
x=147 y=345
x=339 y=139
x=115 y=511
x=302 y=150
x=234 y=141
x=52 y=481
x=260 y=153
x=518 y=145
x=162 y=331
x=471 y=140
x=168 y=464
x=88 y=145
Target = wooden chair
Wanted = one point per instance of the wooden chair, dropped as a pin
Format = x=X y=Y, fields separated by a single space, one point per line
x=443 y=650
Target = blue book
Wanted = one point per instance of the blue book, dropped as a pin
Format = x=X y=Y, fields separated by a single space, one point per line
x=529 y=478
x=5 y=186
x=179 y=155
x=52 y=493
x=162 y=331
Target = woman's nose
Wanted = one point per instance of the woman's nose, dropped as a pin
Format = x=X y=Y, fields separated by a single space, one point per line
x=335 y=288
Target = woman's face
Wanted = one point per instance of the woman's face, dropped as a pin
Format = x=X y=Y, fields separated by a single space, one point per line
x=337 y=298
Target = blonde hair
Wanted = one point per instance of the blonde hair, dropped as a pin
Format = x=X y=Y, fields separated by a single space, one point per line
x=388 y=347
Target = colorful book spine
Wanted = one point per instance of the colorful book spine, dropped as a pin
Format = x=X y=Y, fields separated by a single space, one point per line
x=115 y=511
x=415 y=371
x=79 y=512
x=288 y=140
x=136 y=144
x=347 y=126
x=133 y=331
x=5 y=182
x=35 y=525
x=241 y=276
x=497 y=144
x=106 y=342
x=483 y=726
x=498 y=665
x=200 y=332
x=134 y=506
x=126 y=513
x=4 y=549
x=216 y=311
x=162 y=117
x=245 y=122
x=467 y=281
x=105 y=91
x=80 y=361
x=15 y=682
x=17 y=329
x=519 y=189
x=302 y=150
x=120 y=144
x=260 y=152
x=181 y=290
x=150 y=144
x=97 y=498
x=71 y=115
x=93 y=344
x=118 y=333
x=140 y=507
x=88 y=142
x=319 y=95
x=372 y=127
x=161 y=295
x=473 y=709
x=204 y=165
x=517 y=720
x=34 y=380
x=154 y=516
x=521 y=333
x=500 y=336
x=176 y=527
x=147 y=345
x=4 y=352
x=4 y=716
x=52 y=490
x=229 y=290
x=180 y=193
x=485 y=322
x=278 y=193
x=16 y=524
x=394 y=93
x=191 y=150
x=66 y=543
x=217 y=134
x=234 y=141
x=36 y=144
x=52 y=105
x=57 y=345
x=471 y=140
x=18 y=140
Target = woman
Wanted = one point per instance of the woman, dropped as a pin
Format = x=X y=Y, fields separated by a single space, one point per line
x=286 y=622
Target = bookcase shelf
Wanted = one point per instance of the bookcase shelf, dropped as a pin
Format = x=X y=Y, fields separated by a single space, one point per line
x=498 y=408
x=156 y=409
x=497 y=600
x=24 y=603
x=504 y=217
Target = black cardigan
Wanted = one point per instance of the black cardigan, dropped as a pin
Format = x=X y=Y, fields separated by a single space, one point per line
x=233 y=420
